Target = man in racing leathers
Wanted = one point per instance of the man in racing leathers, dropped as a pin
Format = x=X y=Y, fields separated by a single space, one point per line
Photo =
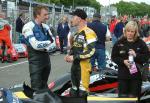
x=38 y=39
x=80 y=54
x=5 y=38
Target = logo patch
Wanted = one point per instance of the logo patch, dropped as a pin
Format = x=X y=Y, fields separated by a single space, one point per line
x=121 y=45
x=81 y=37
x=122 y=52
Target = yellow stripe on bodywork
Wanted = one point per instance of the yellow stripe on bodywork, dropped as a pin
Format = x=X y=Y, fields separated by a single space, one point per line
x=91 y=98
x=21 y=95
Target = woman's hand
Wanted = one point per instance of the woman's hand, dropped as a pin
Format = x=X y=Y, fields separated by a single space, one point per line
x=132 y=52
x=126 y=62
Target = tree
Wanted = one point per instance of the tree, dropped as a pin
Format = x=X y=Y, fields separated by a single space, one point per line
x=95 y=4
x=132 y=8
x=68 y=3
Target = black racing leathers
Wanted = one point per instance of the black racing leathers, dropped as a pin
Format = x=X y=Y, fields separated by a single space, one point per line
x=38 y=38
x=119 y=54
x=82 y=50
x=39 y=68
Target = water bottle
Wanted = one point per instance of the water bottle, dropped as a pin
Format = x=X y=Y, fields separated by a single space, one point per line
x=131 y=58
x=133 y=68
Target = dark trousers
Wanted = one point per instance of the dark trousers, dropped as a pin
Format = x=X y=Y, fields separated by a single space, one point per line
x=39 y=76
x=129 y=87
x=80 y=77
x=63 y=42
x=75 y=75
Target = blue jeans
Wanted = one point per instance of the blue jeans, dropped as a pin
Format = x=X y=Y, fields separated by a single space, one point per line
x=100 y=56
x=114 y=39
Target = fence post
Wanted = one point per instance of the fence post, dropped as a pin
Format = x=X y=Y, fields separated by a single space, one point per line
x=53 y=15
x=70 y=9
x=62 y=11
x=15 y=13
x=30 y=10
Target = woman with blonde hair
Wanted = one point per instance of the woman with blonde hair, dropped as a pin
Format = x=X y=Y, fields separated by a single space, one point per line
x=62 y=31
x=129 y=75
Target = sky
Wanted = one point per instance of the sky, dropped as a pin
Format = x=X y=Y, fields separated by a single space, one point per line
x=107 y=2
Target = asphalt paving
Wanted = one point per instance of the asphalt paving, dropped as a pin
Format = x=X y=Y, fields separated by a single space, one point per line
x=18 y=71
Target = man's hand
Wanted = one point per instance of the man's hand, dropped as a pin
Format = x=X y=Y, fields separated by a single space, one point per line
x=69 y=58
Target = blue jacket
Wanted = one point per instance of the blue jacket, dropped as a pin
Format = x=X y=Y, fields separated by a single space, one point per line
x=38 y=39
x=36 y=36
x=63 y=31
x=118 y=31
x=100 y=30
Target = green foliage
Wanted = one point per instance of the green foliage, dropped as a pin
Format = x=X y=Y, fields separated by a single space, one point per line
x=68 y=3
x=95 y=4
x=129 y=8
x=133 y=8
